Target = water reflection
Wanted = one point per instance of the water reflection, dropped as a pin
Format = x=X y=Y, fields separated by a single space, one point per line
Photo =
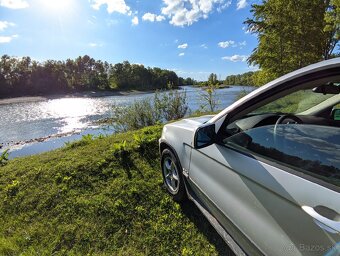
x=71 y=112
x=31 y=120
x=26 y=121
x=69 y=107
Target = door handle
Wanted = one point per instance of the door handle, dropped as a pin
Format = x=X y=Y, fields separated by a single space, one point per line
x=323 y=222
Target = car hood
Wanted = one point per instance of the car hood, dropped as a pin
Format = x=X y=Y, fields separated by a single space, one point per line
x=182 y=132
x=191 y=123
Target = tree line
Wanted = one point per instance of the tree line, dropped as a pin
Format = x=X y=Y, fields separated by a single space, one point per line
x=24 y=76
x=248 y=78
x=242 y=79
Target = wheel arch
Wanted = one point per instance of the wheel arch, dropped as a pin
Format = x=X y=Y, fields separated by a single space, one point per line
x=164 y=145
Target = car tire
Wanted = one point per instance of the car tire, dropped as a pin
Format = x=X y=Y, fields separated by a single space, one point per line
x=172 y=176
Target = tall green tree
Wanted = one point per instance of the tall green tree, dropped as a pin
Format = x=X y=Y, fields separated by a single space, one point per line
x=212 y=79
x=292 y=34
x=332 y=28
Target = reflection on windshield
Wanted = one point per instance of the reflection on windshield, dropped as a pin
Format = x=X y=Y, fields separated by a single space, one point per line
x=311 y=148
x=294 y=103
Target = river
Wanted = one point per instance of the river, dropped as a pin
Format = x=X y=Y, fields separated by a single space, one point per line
x=25 y=127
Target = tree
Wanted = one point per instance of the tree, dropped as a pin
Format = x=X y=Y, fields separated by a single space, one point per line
x=242 y=79
x=212 y=78
x=208 y=95
x=292 y=34
x=332 y=27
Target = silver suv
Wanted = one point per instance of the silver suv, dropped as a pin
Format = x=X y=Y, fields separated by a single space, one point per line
x=266 y=170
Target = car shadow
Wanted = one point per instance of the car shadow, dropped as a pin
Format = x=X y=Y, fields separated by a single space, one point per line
x=203 y=225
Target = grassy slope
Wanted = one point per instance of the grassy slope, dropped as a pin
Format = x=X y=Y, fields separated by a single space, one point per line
x=98 y=197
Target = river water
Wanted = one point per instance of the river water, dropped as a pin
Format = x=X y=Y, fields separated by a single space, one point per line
x=29 y=121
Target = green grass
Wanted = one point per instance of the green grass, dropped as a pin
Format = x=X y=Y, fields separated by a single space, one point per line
x=100 y=196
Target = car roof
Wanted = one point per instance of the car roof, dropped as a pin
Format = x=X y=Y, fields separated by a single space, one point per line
x=320 y=66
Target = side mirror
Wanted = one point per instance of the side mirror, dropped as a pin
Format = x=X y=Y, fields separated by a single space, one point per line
x=336 y=114
x=205 y=136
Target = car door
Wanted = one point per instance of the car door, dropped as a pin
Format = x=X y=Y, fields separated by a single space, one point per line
x=275 y=190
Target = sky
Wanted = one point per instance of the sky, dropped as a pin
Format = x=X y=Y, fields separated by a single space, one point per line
x=191 y=37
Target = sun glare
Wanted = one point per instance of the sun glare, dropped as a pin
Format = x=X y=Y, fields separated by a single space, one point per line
x=57 y=5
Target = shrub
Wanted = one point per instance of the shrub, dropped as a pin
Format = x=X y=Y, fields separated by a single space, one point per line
x=121 y=152
x=135 y=116
x=160 y=108
x=12 y=189
x=172 y=105
x=208 y=98
x=4 y=157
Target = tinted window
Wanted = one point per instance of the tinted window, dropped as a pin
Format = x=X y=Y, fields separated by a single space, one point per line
x=311 y=149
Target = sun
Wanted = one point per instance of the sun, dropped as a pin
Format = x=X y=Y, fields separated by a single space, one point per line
x=57 y=5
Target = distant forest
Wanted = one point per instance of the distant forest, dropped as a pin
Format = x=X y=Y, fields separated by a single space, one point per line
x=248 y=78
x=242 y=79
x=27 y=77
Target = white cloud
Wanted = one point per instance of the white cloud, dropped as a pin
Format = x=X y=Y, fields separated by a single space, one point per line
x=186 y=12
x=181 y=54
x=231 y=43
x=183 y=46
x=160 y=18
x=112 y=6
x=95 y=45
x=204 y=46
x=135 y=21
x=7 y=39
x=236 y=58
x=224 y=6
x=152 y=17
x=241 y=4
x=242 y=44
x=226 y=44
x=14 y=4
x=5 y=24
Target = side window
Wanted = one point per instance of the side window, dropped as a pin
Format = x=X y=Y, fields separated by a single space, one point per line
x=336 y=112
x=310 y=149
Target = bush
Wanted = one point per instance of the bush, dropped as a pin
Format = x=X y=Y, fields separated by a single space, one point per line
x=4 y=157
x=171 y=105
x=208 y=98
x=160 y=108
